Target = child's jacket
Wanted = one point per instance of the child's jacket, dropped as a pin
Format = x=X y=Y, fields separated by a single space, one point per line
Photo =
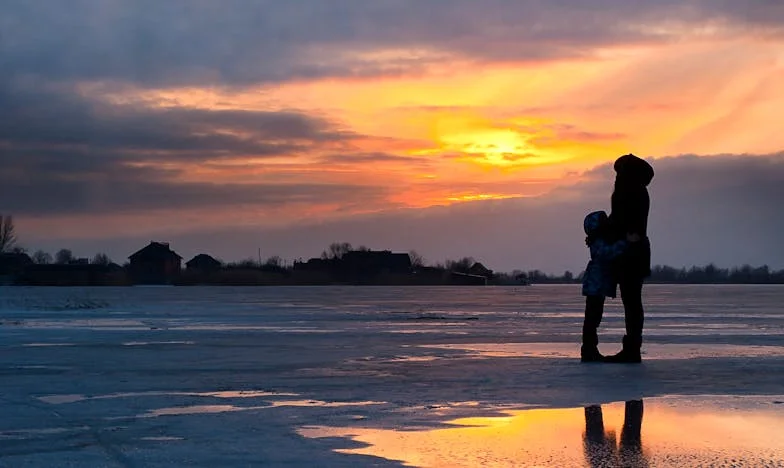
x=599 y=278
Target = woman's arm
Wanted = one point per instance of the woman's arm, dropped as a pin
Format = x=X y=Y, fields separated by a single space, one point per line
x=603 y=251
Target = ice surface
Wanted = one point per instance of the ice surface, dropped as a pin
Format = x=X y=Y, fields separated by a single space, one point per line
x=364 y=376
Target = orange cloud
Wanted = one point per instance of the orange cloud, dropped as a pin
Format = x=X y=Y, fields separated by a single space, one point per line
x=452 y=132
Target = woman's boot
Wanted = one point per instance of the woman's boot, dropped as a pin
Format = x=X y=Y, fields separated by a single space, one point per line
x=630 y=353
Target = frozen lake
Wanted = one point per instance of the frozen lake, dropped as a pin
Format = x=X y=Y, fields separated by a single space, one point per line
x=362 y=376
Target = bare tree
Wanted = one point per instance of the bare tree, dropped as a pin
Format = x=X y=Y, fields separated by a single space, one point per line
x=101 y=259
x=274 y=261
x=460 y=266
x=336 y=251
x=247 y=263
x=42 y=258
x=417 y=260
x=63 y=257
x=7 y=233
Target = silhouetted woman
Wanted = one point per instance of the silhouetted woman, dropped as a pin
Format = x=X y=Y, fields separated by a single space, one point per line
x=630 y=206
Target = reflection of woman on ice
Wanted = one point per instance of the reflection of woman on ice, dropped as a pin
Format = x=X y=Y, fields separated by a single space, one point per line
x=600 y=447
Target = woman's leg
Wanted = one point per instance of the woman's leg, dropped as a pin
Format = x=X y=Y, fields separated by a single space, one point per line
x=631 y=295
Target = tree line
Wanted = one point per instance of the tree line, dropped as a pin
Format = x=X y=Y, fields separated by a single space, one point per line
x=708 y=274
x=664 y=274
x=9 y=243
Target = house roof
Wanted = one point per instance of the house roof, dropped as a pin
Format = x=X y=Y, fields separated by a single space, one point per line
x=156 y=251
x=479 y=269
x=380 y=259
x=202 y=260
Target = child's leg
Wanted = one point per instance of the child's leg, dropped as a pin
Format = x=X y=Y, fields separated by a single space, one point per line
x=594 y=309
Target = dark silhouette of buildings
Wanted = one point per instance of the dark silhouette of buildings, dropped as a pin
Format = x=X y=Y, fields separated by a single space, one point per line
x=203 y=263
x=76 y=273
x=315 y=264
x=12 y=265
x=356 y=267
x=367 y=264
x=155 y=264
x=478 y=269
x=464 y=279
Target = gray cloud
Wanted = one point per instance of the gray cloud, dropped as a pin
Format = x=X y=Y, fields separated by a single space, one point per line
x=48 y=119
x=64 y=154
x=239 y=42
x=142 y=190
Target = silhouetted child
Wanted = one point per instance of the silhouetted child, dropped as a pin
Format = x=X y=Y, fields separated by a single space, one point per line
x=599 y=279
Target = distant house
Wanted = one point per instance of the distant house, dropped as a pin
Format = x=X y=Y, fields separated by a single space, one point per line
x=463 y=279
x=369 y=263
x=203 y=263
x=12 y=265
x=155 y=264
x=478 y=269
x=314 y=264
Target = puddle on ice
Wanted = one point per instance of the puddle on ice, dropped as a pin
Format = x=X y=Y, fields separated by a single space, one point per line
x=427 y=330
x=656 y=432
x=572 y=351
x=163 y=439
x=44 y=345
x=413 y=358
x=94 y=323
x=206 y=409
x=197 y=409
x=325 y=404
x=249 y=327
x=153 y=343
x=62 y=399
x=24 y=434
x=65 y=399
x=54 y=368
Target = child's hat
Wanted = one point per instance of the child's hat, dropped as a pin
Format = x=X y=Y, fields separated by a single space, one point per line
x=593 y=221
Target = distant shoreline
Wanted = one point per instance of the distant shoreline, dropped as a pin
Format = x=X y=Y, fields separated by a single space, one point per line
x=374 y=285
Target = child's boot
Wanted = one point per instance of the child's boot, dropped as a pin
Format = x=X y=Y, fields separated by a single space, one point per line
x=590 y=354
x=589 y=351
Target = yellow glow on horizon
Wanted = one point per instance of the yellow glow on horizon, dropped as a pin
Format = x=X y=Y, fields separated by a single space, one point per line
x=482 y=196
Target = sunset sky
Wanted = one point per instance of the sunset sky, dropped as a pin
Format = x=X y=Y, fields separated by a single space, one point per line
x=450 y=127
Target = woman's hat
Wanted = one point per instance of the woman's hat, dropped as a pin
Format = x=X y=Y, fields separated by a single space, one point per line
x=633 y=167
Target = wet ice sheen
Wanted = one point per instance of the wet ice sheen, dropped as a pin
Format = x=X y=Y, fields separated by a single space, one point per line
x=654 y=432
x=336 y=377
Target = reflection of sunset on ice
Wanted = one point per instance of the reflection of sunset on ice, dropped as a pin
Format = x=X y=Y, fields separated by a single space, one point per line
x=673 y=433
